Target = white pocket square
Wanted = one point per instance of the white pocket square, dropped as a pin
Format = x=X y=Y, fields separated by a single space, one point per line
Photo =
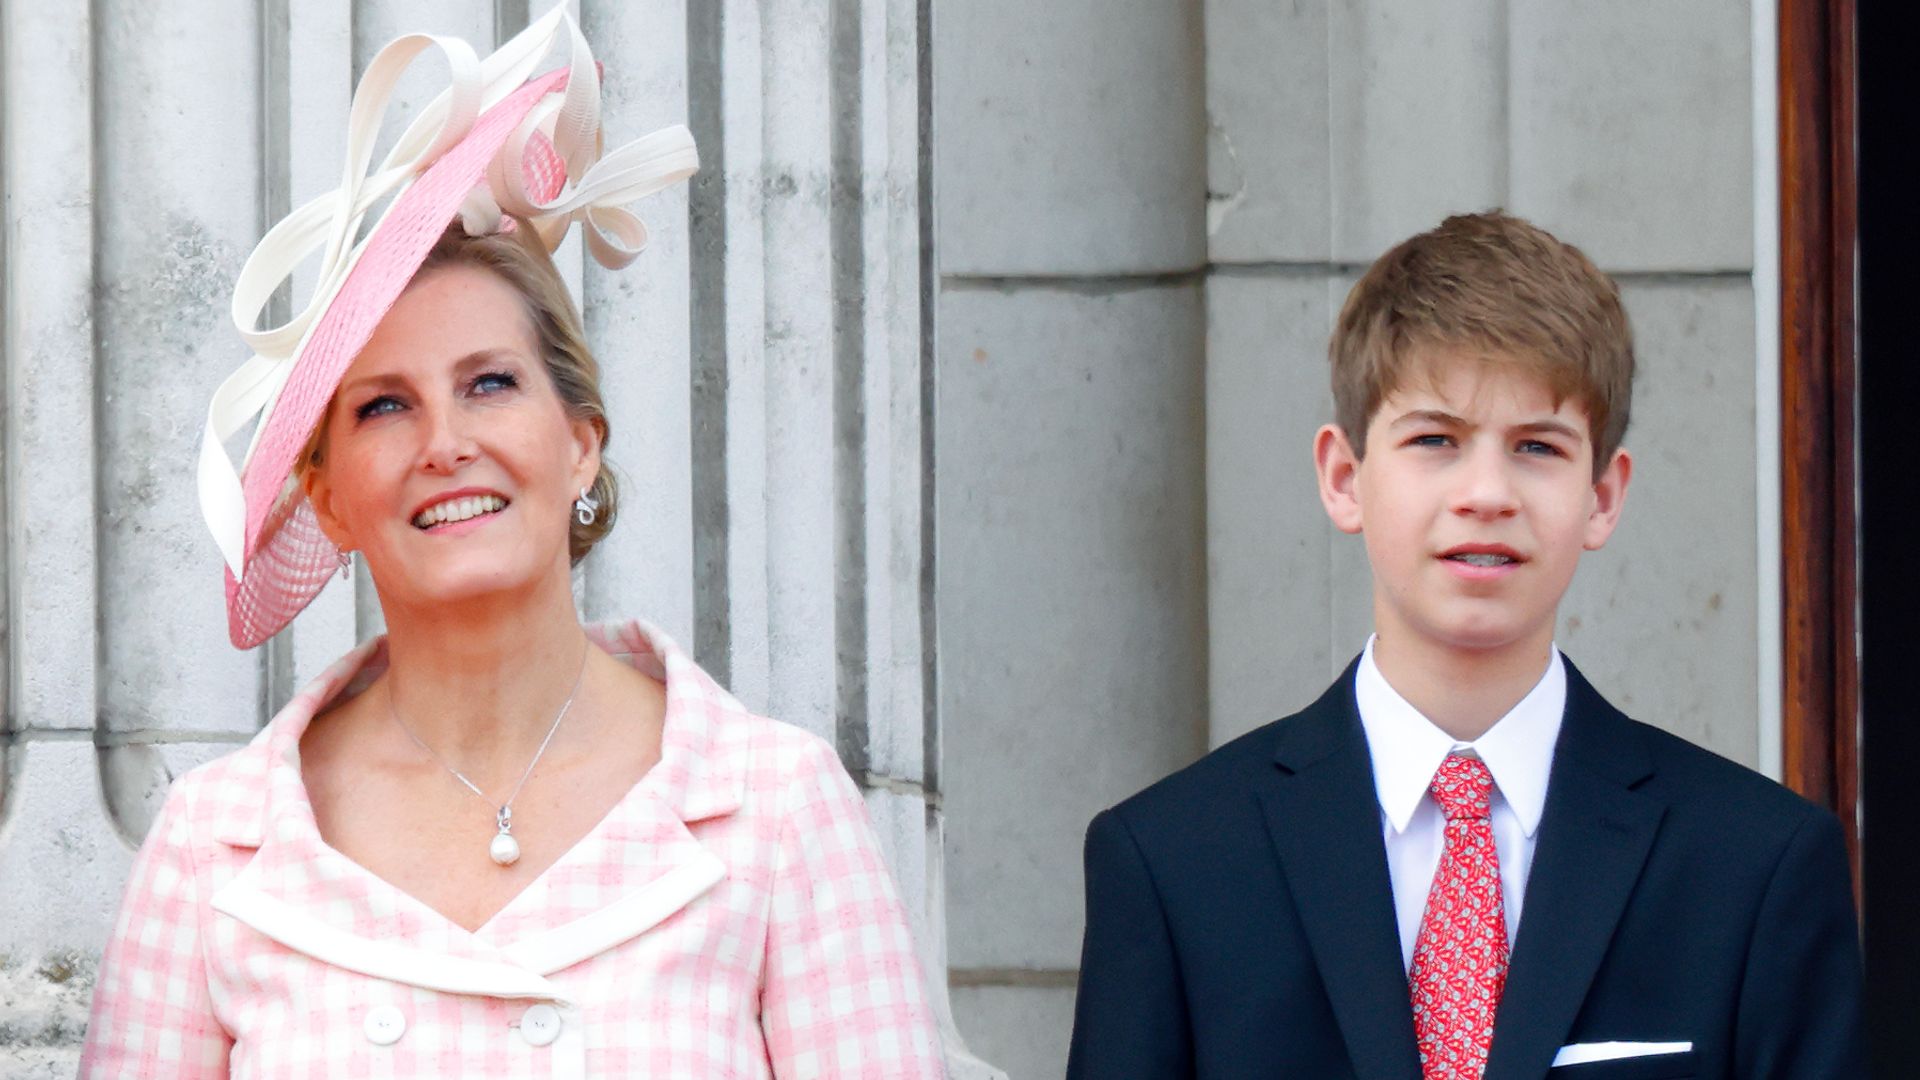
x=1582 y=1053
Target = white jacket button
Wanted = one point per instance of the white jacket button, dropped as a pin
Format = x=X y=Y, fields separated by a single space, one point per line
x=385 y=1024
x=540 y=1025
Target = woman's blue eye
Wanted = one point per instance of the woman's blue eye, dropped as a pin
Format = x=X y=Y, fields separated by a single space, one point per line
x=378 y=406
x=493 y=382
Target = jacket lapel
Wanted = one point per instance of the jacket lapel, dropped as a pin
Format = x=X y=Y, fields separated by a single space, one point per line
x=1595 y=833
x=1324 y=820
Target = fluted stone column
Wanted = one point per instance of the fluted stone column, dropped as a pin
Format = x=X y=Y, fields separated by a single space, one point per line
x=768 y=374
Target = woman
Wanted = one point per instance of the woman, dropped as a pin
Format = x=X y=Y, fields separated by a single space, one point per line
x=493 y=842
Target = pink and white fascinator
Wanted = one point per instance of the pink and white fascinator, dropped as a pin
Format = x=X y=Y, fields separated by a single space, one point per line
x=498 y=141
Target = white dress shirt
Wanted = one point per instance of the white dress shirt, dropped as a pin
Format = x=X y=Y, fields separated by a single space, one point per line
x=1407 y=748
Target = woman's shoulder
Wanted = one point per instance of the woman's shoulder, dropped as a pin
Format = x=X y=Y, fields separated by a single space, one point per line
x=220 y=799
x=778 y=755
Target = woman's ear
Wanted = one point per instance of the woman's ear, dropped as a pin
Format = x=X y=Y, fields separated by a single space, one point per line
x=315 y=481
x=1338 y=468
x=588 y=436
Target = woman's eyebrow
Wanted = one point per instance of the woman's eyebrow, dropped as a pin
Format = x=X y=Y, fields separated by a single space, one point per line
x=388 y=380
x=486 y=357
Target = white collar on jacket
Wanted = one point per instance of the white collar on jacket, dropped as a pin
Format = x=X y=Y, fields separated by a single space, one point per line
x=697 y=778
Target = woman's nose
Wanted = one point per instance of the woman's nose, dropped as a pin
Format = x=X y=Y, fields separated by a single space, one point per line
x=447 y=443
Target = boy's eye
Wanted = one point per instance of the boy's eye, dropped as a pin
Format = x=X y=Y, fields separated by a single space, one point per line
x=1430 y=440
x=379 y=406
x=1535 y=446
x=494 y=382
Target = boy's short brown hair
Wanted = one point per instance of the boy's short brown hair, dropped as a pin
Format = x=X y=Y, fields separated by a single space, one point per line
x=1494 y=284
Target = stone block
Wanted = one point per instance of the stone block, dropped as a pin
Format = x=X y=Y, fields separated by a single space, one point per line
x=1074 y=146
x=1024 y=1030
x=1268 y=551
x=1268 y=153
x=1662 y=619
x=40 y=1063
x=1418 y=117
x=1072 y=614
x=172 y=234
x=64 y=862
x=1632 y=130
x=46 y=271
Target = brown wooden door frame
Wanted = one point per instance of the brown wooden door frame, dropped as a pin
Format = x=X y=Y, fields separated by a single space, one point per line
x=1819 y=243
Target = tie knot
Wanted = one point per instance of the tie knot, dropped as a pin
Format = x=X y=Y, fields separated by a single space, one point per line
x=1464 y=788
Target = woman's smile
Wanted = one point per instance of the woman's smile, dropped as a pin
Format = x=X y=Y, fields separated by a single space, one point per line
x=459 y=508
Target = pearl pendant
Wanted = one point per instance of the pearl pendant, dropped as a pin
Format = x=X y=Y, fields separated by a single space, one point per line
x=504 y=850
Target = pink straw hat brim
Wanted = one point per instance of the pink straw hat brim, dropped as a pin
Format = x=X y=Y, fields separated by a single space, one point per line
x=288 y=559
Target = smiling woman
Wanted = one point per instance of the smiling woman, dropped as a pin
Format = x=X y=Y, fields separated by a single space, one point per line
x=523 y=279
x=493 y=842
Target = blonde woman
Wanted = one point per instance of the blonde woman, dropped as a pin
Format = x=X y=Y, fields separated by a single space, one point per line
x=493 y=842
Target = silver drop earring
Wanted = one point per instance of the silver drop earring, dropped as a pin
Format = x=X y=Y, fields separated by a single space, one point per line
x=346 y=566
x=586 y=508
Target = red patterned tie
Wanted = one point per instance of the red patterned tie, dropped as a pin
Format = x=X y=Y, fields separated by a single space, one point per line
x=1460 y=957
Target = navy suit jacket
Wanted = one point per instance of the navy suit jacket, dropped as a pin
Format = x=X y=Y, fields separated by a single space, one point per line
x=1240 y=919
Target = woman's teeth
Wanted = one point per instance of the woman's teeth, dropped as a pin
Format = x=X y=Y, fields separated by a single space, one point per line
x=459 y=510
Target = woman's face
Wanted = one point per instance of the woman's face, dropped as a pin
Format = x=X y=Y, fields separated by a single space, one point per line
x=449 y=460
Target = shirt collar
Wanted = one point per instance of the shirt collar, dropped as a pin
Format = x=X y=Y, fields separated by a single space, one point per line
x=1407 y=748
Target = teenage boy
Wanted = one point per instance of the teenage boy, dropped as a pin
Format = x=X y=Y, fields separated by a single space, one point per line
x=1462 y=861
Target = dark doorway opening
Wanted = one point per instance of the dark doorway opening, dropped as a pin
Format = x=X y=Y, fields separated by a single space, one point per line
x=1889 y=375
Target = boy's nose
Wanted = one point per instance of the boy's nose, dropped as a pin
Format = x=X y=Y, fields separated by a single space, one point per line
x=1486 y=488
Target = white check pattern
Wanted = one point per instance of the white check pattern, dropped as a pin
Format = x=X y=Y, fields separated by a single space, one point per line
x=731 y=917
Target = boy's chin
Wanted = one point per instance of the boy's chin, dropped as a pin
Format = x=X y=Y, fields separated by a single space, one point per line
x=1491 y=639
x=1483 y=634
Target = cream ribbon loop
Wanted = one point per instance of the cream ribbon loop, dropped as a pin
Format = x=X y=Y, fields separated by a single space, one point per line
x=593 y=192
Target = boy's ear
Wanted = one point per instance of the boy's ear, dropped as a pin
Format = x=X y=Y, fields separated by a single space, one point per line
x=1609 y=495
x=1338 y=468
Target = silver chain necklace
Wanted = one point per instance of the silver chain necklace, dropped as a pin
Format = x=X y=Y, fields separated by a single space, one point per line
x=504 y=850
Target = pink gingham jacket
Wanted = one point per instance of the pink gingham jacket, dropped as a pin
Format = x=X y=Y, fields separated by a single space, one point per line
x=732 y=916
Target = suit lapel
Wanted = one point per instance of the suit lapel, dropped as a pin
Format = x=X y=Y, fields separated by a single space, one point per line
x=1324 y=820
x=1594 y=837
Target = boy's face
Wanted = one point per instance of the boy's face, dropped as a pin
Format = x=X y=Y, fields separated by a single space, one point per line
x=1476 y=496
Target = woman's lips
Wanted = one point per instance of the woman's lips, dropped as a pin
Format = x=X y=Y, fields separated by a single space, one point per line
x=459 y=509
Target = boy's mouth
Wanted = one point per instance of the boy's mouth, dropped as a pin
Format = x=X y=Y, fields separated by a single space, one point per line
x=1483 y=556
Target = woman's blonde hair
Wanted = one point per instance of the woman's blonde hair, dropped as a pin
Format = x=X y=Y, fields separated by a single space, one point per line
x=518 y=258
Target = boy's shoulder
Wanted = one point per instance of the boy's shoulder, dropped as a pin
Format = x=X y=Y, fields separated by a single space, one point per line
x=1720 y=794
x=1220 y=787
x=1705 y=790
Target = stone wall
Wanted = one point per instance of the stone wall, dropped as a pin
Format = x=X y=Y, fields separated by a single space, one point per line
x=767 y=370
